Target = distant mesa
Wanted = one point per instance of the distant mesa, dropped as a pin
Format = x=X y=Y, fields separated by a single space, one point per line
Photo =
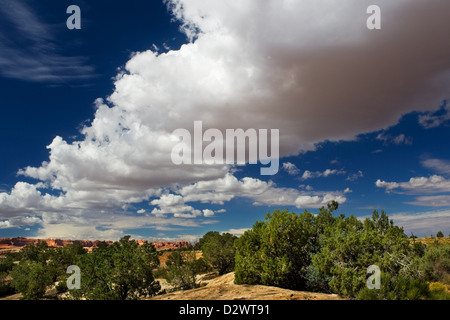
x=18 y=242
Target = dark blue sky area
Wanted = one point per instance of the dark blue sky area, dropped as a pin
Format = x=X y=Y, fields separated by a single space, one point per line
x=33 y=112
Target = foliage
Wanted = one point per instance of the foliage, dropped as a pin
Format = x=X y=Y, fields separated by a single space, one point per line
x=249 y=259
x=120 y=271
x=6 y=265
x=60 y=259
x=33 y=274
x=278 y=251
x=38 y=252
x=435 y=263
x=218 y=250
x=397 y=288
x=331 y=253
x=31 y=279
x=352 y=246
x=182 y=269
x=322 y=252
x=439 y=291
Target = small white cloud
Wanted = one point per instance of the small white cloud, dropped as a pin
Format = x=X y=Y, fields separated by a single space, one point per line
x=396 y=140
x=208 y=213
x=307 y=175
x=141 y=211
x=438 y=165
x=423 y=223
x=78 y=232
x=355 y=176
x=417 y=185
x=387 y=185
x=431 y=201
x=5 y=224
x=236 y=232
x=306 y=201
x=318 y=174
x=291 y=168
x=429 y=120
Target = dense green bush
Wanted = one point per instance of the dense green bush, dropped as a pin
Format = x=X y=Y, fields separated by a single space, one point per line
x=6 y=265
x=330 y=253
x=120 y=271
x=278 y=251
x=218 y=250
x=249 y=258
x=352 y=246
x=435 y=263
x=33 y=274
x=31 y=279
x=397 y=288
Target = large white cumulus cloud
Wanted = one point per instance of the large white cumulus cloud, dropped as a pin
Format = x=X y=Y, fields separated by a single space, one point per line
x=309 y=68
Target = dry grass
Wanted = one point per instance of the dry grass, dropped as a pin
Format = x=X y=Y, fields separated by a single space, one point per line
x=432 y=240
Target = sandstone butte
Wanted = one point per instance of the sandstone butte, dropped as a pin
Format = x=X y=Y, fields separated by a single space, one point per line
x=19 y=242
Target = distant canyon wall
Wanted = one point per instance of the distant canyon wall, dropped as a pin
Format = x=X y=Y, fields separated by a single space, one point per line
x=22 y=242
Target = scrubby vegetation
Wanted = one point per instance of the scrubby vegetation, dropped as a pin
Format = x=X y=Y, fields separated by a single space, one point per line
x=182 y=267
x=218 y=250
x=321 y=252
x=330 y=253
x=217 y=255
x=121 y=271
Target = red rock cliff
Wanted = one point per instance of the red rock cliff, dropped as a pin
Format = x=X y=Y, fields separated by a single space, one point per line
x=22 y=242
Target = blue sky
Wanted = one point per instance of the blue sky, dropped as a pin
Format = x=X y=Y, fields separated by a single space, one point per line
x=88 y=115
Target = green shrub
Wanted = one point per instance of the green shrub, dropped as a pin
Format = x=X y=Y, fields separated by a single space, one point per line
x=120 y=271
x=278 y=251
x=352 y=246
x=249 y=259
x=397 y=288
x=330 y=253
x=218 y=250
x=435 y=263
x=31 y=279
x=181 y=270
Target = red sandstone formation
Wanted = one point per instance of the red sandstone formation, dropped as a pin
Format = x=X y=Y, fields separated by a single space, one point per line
x=22 y=242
